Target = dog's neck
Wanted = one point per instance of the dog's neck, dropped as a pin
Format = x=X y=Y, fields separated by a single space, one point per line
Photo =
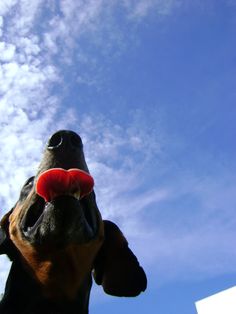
x=29 y=300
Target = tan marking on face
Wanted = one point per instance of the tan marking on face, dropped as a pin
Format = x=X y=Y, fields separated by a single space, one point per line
x=60 y=272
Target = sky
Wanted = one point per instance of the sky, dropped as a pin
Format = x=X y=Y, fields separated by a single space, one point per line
x=150 y=87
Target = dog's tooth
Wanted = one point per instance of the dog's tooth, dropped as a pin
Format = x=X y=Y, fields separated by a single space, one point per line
x=28 y=230
x=77 y=195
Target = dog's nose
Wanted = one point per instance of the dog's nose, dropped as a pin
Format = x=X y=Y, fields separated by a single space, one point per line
x=64 y=139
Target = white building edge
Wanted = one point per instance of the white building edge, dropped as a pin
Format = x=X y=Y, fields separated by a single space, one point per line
x=221 y=303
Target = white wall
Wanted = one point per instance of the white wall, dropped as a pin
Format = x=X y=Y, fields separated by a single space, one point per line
x=220 y=303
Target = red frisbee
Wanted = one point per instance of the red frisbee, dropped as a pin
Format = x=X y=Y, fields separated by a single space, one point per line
x=57 y=181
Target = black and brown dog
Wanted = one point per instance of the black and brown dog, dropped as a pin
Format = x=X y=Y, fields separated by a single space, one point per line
x=56 y=246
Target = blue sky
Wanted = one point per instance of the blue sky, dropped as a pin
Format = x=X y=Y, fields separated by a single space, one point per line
x=150 y=86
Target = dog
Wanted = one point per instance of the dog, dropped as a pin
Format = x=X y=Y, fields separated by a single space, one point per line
x=57 y=245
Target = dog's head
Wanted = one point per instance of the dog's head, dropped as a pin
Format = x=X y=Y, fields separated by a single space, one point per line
x=61 y=239
x=65 y=218
x=65 y=230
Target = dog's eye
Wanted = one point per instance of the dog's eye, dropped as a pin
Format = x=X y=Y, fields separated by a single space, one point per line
x=26 y=188
x=30 y=182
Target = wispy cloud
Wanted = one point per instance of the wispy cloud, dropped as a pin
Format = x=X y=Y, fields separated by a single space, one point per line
x=26 y=106
x=195 y=240
x=141 y=8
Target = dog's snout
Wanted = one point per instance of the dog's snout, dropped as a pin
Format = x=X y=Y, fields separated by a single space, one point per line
x=64 y=149
x=64 y=139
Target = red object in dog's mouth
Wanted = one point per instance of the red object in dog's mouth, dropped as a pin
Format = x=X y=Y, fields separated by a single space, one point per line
x=57 y=181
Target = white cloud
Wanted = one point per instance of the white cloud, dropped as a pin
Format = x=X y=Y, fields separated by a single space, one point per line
x=95 y=21
x=6 y=6
x=26 y=107
x=26 y=14
x=7 y=52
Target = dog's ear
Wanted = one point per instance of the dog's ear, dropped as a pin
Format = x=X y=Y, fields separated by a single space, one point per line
x=116 y=268
x=5 y=242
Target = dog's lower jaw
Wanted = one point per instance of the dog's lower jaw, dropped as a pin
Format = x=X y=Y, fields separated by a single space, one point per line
x=62 y=277
x=60 y=272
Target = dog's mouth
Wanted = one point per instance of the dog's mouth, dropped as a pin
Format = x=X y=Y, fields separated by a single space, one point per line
x=63 y=209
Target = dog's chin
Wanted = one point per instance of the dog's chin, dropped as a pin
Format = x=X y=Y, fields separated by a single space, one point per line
x=64 y=220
